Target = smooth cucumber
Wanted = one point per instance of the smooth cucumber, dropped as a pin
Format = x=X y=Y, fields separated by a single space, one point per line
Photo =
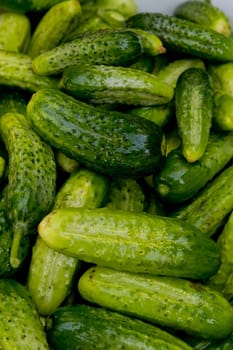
x=21 y=327
x=223 y=112
x=173 y=303
x=108 y=329
x=136 y=242
x=194 y=112
x=31 y=178
x=132 y=144
x=108 y=84
x=184 y=36
x=179 y=180
x=159 y=115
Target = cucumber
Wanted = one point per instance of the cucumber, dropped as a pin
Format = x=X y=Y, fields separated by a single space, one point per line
x=132 y=144
x=159 y=115
x=108 y=329
x=16 y=71
x=107 y=84
x=184 y=36
x=209 y=209
x=223 y=112
x=179 y=180
x=174 y=303
x=136 y=242
x=107 y=47
x=194 y=112
x=21 y=327
x=144 y=63
x=221 y=78
x=125 y=7
x=206 y=14
x=54 y=25
x=65 y=163
x=12 y=100
x=27 y=5
x=15 y=32
x=31 y=178
x=51 y=273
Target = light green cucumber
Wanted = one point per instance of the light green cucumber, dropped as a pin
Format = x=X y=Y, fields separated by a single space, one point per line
x=107 y=84
x=16 y=71
x=174 y=303
x=31 y=178
x=53 y=26
x=194 y=112
x=51 y=273
x=65 y=163
x=221 y=75
x=131 y=241
x=159 y=115
x=110 y=330
x=21 y=327
x=15 y=32
x=223 y=112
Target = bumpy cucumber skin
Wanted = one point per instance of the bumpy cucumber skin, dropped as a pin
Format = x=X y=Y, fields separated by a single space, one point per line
x=27 y=5
x=136 y=242
x=209 y=209
x=51 y=273
x=185 y=36
x=31 y=177
x=110 y=330
x=132 y=145
x=16 y=71
x=53 y=26
x=124 y=85
x=20 y=323
x=194 y=112
x=171 y=302
x=107 y=47
x=179 y=180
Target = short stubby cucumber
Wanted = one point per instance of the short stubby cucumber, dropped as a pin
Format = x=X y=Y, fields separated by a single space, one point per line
x=194 y=112
x=21 y=327
x=173 y=303
x=124 y=85
x=107 y=47
x=184 y=36
x=137 y=242
x=108 y=329
x=132 y=145
x=31 y=177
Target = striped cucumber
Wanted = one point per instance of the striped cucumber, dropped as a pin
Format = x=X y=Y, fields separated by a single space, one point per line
x=106 y=84
x=132 y=144
x=173 y=303
x=194 y=112
x=51 y=273
x=184 y=36
x=31 y=178
x=132 y=241
x=108 y=329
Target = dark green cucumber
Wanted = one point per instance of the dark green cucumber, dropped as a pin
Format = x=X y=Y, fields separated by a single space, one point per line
x=21 y=327
x=54 y=25
x=16 y=71
x=174 y=303
x=159 y=115
x=184 y=36
x=12 y=100
x=15 y=32
x=108 y=329
x=31 y=178
x=209 y=209
x=179 y=180
x=136 y=242
x=107 y=84
x=205 y=14
x=107 y=47
x=27 y=5
x=132 y=145
x=51 y=273
x=194 y=112
x=144 y=63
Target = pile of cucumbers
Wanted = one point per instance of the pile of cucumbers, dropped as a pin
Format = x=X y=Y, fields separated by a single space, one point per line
x=116 y=191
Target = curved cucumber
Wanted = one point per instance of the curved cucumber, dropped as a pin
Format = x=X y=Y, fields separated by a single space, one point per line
x=124 y=85
x=169 y=302
x=136 y=242
x=184 y=36
x=110 y=330
x=31 y=178
x=51 y=273
x=132 y=144
x=194 y=112
x=179 y=180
